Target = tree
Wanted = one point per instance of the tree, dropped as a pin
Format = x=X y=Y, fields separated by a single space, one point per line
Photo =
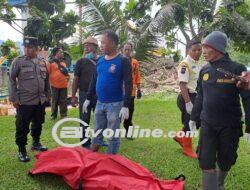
x=49 y=7
x=196 y=18
x=99 y=16
x=9 y=50
x=75 y=51
x=7 y=15
x=185 y=16
x=234 y=20
x=49 y=22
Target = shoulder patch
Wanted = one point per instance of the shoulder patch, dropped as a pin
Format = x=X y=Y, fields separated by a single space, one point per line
x=19 y=58
x=205 y=77
x=183 y=70
x=184 y=64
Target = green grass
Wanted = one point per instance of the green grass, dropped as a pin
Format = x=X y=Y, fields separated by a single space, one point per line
x=161 y=156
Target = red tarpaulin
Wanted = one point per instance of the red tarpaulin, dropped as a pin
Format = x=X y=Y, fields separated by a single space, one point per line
x=95 y=171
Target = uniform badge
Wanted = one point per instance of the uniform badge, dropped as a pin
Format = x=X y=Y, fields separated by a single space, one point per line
x=206 y=77
x=112 y=68
x=183 y=70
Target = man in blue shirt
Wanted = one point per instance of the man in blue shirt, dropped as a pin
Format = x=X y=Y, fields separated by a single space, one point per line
x=112 y=83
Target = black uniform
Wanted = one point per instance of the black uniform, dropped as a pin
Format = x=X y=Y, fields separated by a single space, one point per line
x=84 y=69
x=218 y=106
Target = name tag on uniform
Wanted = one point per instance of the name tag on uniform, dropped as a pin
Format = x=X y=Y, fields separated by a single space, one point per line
x=229 y=81
x=27 y=69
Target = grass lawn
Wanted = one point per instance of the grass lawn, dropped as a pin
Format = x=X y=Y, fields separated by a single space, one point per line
x=161 y=156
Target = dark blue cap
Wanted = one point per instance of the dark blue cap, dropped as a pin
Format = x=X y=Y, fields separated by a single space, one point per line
x=30 y=41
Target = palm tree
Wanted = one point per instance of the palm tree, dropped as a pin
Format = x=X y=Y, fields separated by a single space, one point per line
x=100 y=16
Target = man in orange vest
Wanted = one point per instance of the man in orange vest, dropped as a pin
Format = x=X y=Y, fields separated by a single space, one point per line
x=59 y=82
x=136 y=90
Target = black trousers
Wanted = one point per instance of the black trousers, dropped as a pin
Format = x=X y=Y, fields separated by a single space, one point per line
x=26 y=114
x=218 y=144
x=86 y=116
x=128 y=122
x=185 y=117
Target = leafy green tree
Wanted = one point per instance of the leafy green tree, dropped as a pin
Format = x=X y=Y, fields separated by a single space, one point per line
x=7 y=15
x=9 y=50
x=49 y=7
x=49 y=22
x=234 y=19
x=241 y=57
x=100 y=16
x=138 y=10
x=75 y=51
x=185 y=16
x=196 y=18
x=6 y=12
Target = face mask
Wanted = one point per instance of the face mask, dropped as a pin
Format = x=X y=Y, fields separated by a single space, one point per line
x=90 y=56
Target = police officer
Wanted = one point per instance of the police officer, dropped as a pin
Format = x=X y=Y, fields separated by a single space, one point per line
x=188 y=72
x=218 y=106
x=28 y=91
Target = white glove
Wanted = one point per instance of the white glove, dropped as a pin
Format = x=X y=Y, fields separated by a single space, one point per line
x=247 y=135
x=192 y=125
x=189 y=107
x=124 y=114
x=85 y=106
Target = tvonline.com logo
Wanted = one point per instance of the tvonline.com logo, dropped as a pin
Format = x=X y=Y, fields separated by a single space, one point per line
x=76 y=132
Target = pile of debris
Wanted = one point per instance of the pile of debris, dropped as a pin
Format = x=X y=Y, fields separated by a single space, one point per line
x=158 y=76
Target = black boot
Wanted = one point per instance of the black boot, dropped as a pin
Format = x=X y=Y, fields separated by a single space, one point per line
x=38 y=147
x=22 y=154
x=129 y=137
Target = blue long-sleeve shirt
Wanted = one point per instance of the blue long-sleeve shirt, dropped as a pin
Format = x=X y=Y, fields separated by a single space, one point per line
x=112 y=81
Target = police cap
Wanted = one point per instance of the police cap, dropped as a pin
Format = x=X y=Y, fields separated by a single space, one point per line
x=30 y=41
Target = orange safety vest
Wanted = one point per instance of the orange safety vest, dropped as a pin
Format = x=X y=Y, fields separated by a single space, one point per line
x=136 y=77
x=57 y=79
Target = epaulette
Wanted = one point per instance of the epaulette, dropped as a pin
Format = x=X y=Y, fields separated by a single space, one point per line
x=20 y=56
